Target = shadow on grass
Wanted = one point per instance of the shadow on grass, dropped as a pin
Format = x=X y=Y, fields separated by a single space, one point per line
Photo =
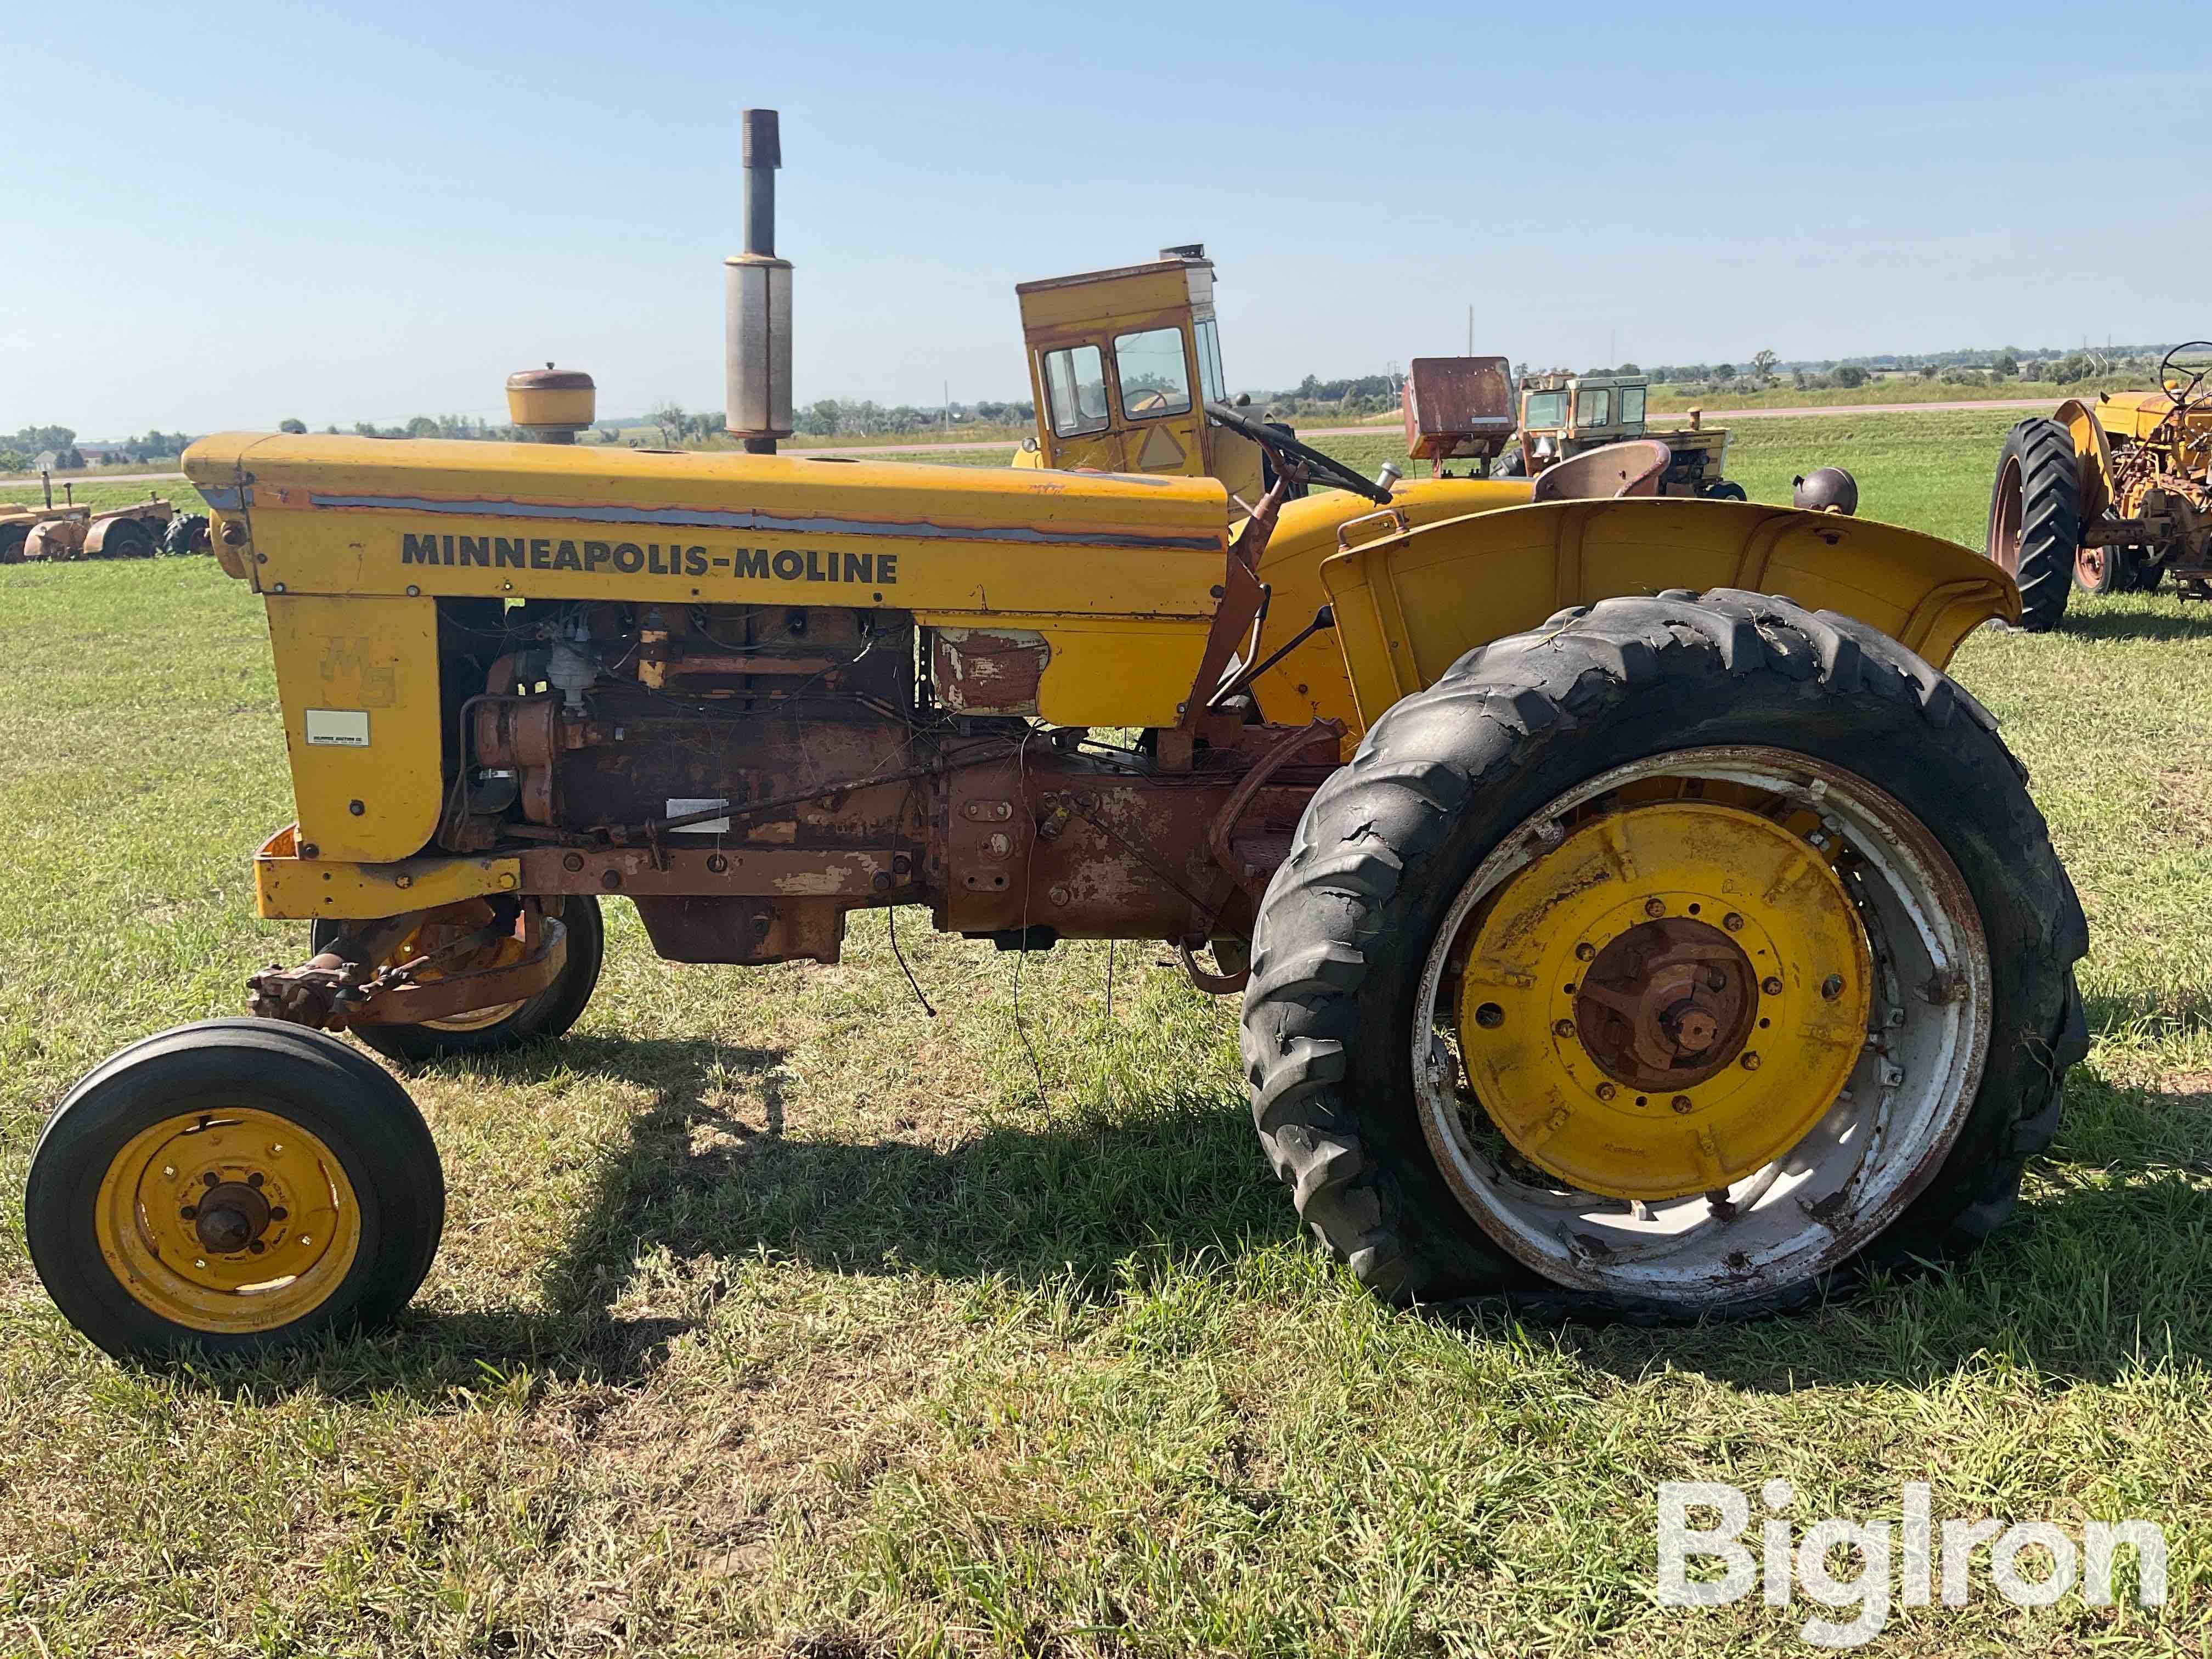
x=2091 y=1281
x=1028 y=1204
x=2129 y=623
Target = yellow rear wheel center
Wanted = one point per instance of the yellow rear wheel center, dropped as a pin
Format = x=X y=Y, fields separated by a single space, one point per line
x=1666 y=1002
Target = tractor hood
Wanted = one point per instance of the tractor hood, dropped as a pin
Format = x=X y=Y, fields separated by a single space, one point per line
x=331 y=515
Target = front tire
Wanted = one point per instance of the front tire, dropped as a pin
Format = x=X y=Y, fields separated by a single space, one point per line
x=1667 y=703
x=2035 y=518
x=1726 y=490
x=235 y=1186
x=538 y=1019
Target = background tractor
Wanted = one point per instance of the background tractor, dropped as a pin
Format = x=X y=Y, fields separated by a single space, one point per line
x=1612 y=936
x=71 y=531
x=1563 y=415
x=2110 y=496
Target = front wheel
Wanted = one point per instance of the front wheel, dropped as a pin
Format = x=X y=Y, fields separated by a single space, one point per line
x=236 y=1186
x=507 y=1025
x=1726 y=490
x=1685 y=957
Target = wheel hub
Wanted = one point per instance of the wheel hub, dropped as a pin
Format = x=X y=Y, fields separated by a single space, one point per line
x=1666 y=1001
x=232 y=1217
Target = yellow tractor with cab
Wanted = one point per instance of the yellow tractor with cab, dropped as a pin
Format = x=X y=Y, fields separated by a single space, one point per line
x=1564 y=415
x=1613 y=935
x=2113 y=496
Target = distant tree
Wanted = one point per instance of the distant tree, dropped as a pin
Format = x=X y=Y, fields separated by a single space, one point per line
x=1762 y=365
x=2007 y=365
x=669 y=416
x=332 y=428
x=1850 y=374
x=2073 y=366
x=1723 y=371
x=422 y=427
x=14 y=460
x=292 y=425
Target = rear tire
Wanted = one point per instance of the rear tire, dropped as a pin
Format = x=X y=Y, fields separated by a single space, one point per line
x=187 y=533
x=127 y=538
x=322 y=1164
x=1509 y=464
x=539 y=1019
x=1440 y=784
x=2035 y=518
x=12 y=536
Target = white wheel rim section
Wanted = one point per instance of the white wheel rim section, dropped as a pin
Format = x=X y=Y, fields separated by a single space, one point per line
x=1879 y=1145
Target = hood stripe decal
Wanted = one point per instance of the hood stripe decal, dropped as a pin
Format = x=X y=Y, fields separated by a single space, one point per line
x=752 y=519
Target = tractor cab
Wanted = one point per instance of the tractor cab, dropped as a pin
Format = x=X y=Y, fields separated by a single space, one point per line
x=1563 y=414
x=1122 y=364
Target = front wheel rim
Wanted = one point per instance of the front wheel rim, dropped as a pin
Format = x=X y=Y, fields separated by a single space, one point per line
x=228 y=1221
x=1870 y=1148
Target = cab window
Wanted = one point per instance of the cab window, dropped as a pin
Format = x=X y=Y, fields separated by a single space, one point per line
x=1631 y=406
x=1546 y=409
x=1075 y=390
x=1210 y=383
x=1154 y=379
x=1594 y=407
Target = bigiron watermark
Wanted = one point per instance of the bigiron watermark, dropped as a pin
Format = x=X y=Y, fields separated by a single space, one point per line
x=2031 y=1563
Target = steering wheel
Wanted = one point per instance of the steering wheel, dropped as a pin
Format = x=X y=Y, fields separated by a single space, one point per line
x=2197 y=376
x=1287 y=449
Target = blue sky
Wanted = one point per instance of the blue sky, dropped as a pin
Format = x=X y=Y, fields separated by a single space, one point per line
x=222 y=215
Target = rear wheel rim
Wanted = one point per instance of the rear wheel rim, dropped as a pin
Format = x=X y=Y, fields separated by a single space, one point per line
x=2089 y=567
x=228 y=1221
x=1870 y=1147
x=2005 y=522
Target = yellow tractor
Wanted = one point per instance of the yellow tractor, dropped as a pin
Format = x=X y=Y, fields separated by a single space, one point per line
x=1612 y=936
x=71 y=531
x=2110 y=496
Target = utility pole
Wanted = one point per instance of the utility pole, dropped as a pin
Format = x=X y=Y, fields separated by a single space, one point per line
x=1470 y=330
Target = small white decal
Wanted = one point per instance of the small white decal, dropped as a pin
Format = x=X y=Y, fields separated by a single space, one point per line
x=680 y=804
x=337 y=728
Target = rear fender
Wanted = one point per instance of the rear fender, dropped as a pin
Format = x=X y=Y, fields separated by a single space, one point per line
x=2093 y=451
x=1409 y=605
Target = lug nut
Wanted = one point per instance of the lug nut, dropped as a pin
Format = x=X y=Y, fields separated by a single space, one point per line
x=256 y=1179
x=1681 y=1102
x=1655 y=906
x=1772 y=986
x=207 y=1178
x=1565 y=1028
x=1750 y=1061
x=1585 y=951
x=1606 y=1092
x=189 y=1212
x=279 y=1214
x=1833 y=987
x=1733 y=923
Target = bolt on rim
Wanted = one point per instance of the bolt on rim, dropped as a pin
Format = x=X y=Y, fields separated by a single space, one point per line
x=1830 y=1136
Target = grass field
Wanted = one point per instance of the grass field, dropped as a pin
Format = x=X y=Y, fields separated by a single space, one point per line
x=776 y=1316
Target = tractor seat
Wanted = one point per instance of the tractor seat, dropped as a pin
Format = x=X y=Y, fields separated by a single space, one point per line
x=1633 y=468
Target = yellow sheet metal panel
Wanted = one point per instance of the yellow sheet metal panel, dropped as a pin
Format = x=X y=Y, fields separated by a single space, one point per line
x=2133 y=414
x=2093 y=453
x=358 y=680
x=1108 y=672
x=1410 y=605
x=287 y=885
x=1311 y=683
x=329 y=514
x=1104 y=297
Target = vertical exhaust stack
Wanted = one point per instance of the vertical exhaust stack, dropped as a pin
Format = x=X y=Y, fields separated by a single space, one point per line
x=757 y=311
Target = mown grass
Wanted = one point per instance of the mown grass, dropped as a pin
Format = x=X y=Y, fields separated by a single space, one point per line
x=777 y=1316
